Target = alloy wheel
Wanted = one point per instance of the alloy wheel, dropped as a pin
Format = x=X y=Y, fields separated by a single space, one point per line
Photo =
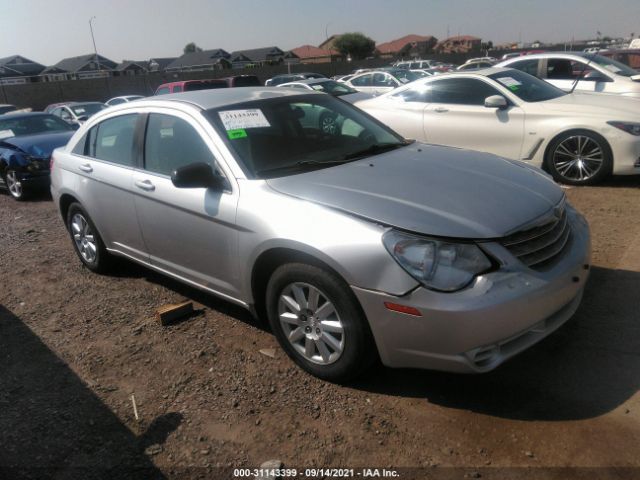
x=14 y=184
x=311 y=323
x=84 y=238
x=578 y=158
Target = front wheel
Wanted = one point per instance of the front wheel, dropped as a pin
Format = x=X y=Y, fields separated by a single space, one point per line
x=14 y=185
x=318 y=322
x=579 y=157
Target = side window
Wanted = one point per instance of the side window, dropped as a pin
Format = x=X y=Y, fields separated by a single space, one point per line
x=380 y=80
x=461 y=91
x=362 y=81
x=419 y=94
x=559 y=69
x=112 y=140
x=80 y=148
x=177 y=88
x=171 y=143
x=526 y=66
x=162 y=91
x=116 y=101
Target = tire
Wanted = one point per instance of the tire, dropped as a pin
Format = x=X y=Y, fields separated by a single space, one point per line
x=331 y=341
x=14 y=185
x=579 y=157
x=87 y=242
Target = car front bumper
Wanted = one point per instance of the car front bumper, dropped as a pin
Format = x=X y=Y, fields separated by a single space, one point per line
x=476 y=329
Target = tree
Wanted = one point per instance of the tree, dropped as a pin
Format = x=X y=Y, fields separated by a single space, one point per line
x=356 y=45
x=191 y=48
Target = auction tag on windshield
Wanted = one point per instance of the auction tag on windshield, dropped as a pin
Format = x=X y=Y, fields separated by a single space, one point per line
x=239 y=133
x=6 y=134
x=79 y=111
x=241 y=119
x=509 y=82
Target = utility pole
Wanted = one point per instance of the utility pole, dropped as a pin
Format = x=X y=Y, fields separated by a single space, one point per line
x=94 y=41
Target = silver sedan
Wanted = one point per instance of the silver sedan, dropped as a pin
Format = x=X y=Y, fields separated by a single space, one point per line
x=354 y=244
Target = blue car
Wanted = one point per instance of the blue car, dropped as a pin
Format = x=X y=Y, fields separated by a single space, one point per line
x=26 y=143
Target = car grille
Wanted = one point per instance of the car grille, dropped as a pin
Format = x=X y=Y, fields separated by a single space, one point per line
x=537 y=247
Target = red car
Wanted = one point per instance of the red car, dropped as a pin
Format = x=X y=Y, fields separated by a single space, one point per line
x=190 y=85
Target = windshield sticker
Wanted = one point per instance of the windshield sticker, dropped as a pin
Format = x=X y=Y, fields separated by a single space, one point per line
x=612 y=68
x=6 y=134
x=79 y=110
x=509 y=82
x=241 y=119
x=238 y=133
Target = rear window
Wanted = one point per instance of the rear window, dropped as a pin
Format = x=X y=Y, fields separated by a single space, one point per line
x=191 y=87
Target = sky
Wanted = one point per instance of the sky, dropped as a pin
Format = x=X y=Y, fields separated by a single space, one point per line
x=48 y=30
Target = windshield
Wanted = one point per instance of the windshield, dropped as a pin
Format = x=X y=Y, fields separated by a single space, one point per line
x=16 y=127
x=612 y=65
x=291 y=134
x=87 y=109
x=332 y=87
x=406 y=76
x=527 y=87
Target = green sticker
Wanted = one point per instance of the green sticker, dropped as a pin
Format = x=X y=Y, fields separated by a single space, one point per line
x=513 y=87
x=238 y=133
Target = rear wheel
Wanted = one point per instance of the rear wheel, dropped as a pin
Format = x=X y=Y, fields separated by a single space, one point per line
x=579 y=157
x=318 y=322
x=86 y=240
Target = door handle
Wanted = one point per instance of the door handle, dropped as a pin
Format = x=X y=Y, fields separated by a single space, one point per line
x=441 y=109
x=145 y=185
x=86 y=168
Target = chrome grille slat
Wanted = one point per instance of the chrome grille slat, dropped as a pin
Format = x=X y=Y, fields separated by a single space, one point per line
x=537 y=246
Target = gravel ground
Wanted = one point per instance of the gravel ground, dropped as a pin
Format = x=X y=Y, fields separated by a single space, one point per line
x=74 y=347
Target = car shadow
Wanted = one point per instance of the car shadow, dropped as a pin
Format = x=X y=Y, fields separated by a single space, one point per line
x=587 y=368
x=619 y=181
x=129 y=269
x=53 y=426
x=33 y=197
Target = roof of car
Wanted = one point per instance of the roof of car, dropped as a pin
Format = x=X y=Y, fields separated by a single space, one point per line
x=533 y=56
x=215 y=98
x=11 y=115
x=309 y=81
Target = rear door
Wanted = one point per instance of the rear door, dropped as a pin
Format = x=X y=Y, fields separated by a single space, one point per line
x=104 y=160
x=383 y=83
x=362 y=83
x=189 y=232
x=457 y=116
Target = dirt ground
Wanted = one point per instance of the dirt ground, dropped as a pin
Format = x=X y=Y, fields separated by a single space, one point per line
x=74 y=347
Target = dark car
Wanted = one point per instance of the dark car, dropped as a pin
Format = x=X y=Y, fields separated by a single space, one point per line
x=243 y=81
x=291 y=77
x=26 y=143
x=630 y=57
x=190 y=86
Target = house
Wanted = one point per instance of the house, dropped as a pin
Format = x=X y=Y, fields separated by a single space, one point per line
x=329 y=43
x=160 y=64
x=77 y=68
x=214 y=59
x=459 y=44
x=131 y=67
x=261 y=56
x=18 y=69
x=409 y=46
x=311 y=54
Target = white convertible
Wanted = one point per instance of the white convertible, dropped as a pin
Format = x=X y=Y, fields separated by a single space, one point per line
x=579 y=138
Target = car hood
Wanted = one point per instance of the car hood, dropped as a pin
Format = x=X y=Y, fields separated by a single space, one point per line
x=432 y=190
x=40 y=145
x=612 y=106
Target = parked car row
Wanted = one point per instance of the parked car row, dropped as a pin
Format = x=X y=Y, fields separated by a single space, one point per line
x=347 y=219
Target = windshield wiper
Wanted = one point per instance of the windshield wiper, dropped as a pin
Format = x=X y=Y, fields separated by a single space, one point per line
x=374 y=150
x=301 y=163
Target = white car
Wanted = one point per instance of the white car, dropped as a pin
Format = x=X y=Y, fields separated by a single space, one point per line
x=382 y=81
x=578 y=138
x=122 y=99
x=595 y=73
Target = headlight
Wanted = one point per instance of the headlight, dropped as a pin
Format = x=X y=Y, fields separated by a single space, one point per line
x=630 y=127
x=436 y=264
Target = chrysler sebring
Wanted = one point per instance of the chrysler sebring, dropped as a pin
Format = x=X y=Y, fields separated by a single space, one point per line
x=355 y=244
x=578 y=138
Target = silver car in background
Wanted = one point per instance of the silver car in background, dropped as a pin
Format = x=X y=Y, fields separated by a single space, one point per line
x=355 y=244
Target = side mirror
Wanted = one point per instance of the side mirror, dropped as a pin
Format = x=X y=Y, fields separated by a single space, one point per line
x=594 y=76
x=197 y=175
x=496 y=101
